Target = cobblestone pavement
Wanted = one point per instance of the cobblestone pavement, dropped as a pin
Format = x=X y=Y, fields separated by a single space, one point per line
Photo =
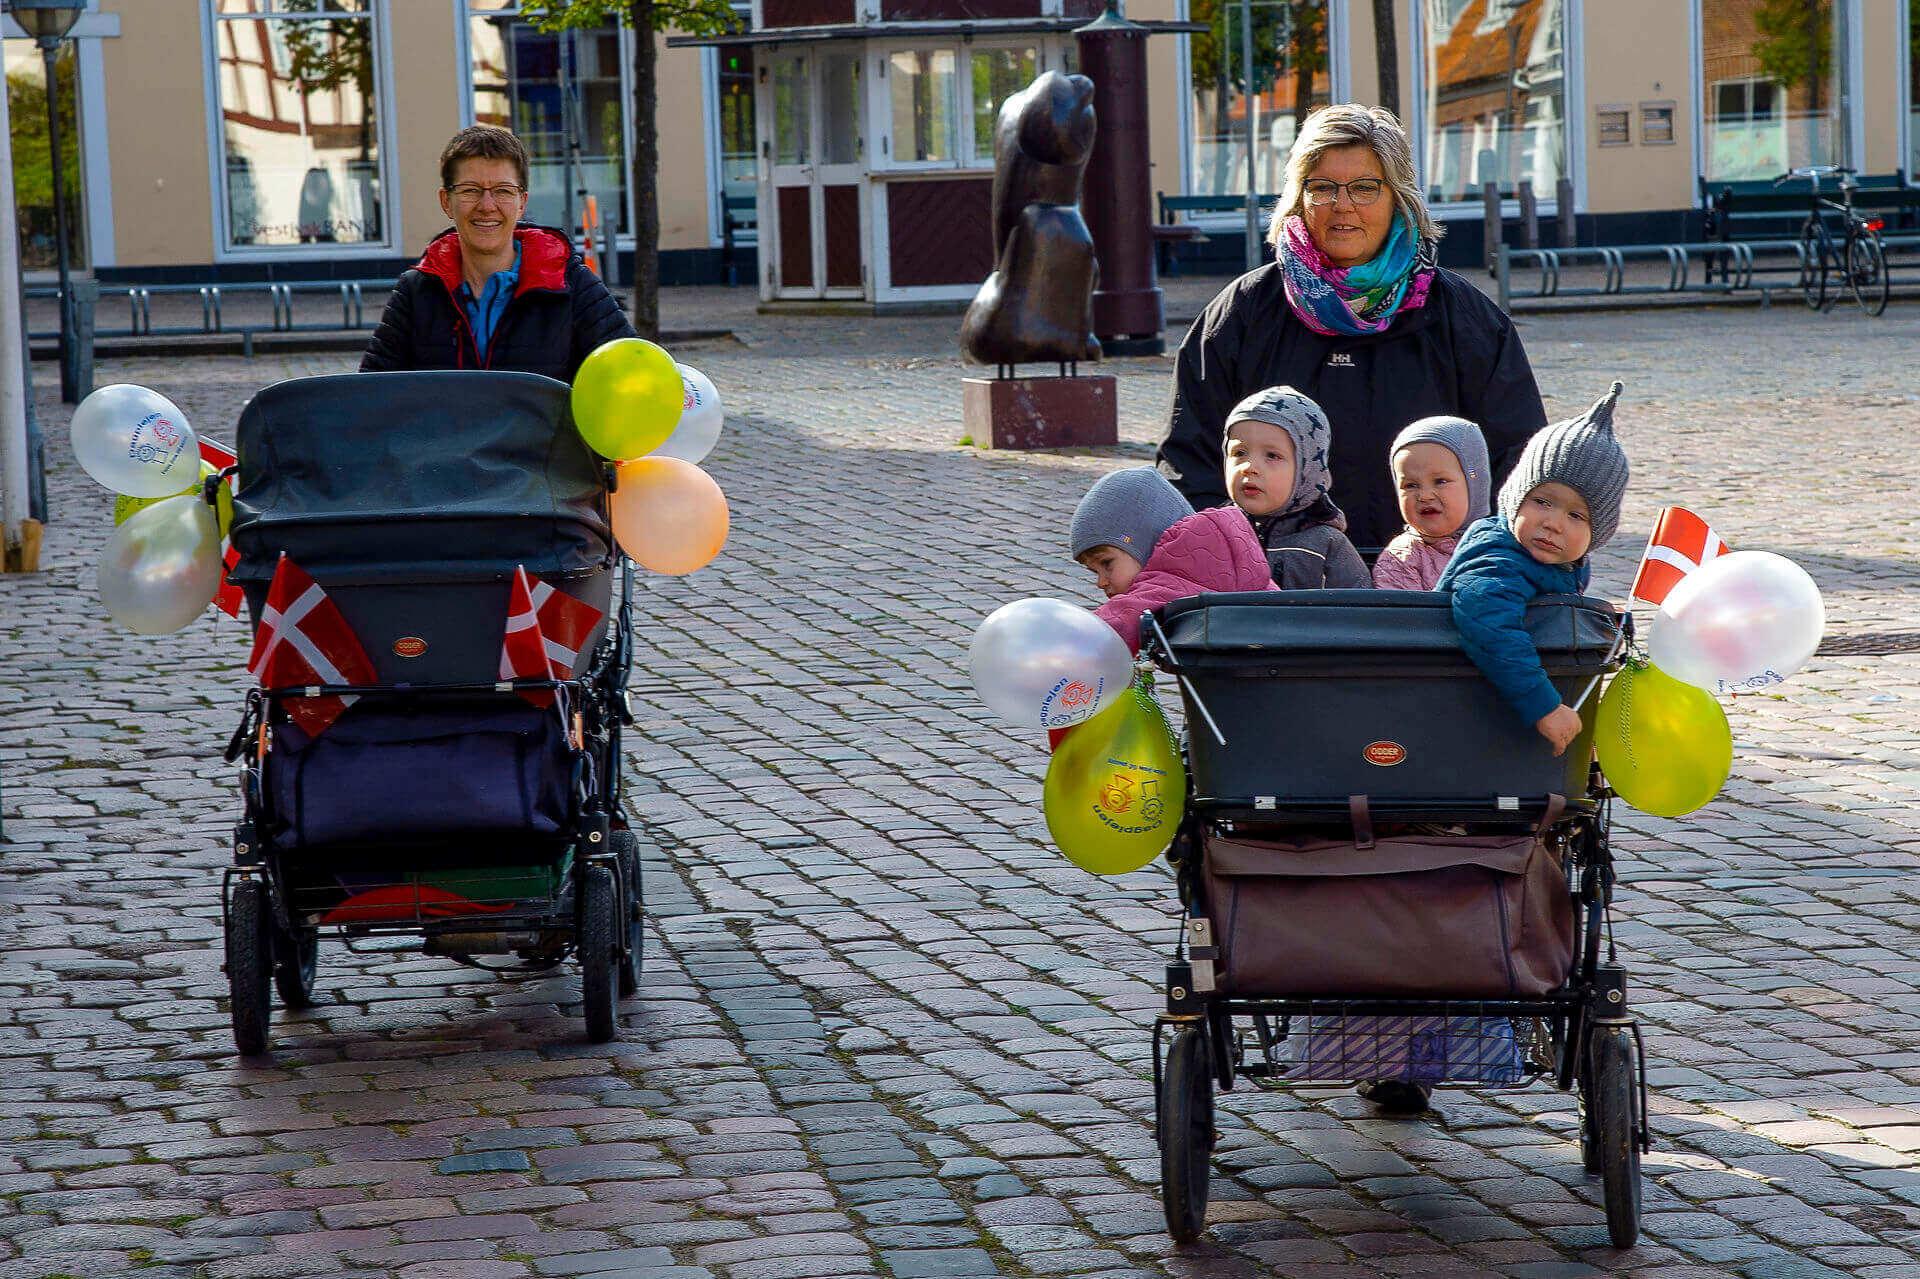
x=885 y=1030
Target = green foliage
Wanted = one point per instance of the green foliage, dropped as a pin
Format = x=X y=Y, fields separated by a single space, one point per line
x=32 y=155
x=1795 y=44
x=688 y=17
x=330 y=54
x=1289 y=38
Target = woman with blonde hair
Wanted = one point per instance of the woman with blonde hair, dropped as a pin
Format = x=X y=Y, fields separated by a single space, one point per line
x=1354 y=312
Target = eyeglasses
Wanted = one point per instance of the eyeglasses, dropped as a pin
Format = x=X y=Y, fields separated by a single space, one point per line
x=467 y=193
x=1362 y=191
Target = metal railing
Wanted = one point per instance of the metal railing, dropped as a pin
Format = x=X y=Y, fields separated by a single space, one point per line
x=348 y=295
x=1725 y=267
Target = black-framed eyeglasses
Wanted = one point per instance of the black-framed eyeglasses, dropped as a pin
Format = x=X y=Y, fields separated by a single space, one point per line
x=1362 y=191
x=472 y=193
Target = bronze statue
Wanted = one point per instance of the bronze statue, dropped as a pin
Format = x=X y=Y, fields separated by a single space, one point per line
x=1037 y=306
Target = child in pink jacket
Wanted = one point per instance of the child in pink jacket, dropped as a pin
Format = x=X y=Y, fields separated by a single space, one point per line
x=1441 y=473
x=1147 y=547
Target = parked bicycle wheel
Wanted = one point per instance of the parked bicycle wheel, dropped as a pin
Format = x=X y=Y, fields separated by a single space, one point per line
x=1867 y=270
x=1816 y=257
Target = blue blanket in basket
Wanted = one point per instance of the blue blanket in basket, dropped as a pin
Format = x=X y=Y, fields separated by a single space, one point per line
x=1425 y=1050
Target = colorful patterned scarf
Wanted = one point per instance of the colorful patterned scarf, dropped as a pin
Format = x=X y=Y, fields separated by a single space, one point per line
x=1355 y=301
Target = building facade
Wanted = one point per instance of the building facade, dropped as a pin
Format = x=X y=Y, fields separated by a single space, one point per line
x=298 y=139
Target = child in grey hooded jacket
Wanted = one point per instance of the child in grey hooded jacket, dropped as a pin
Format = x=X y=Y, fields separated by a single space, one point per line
x=1276 y=470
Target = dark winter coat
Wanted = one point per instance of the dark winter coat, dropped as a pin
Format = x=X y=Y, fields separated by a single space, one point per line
x=559 y=313
x=1457 y=354
x=1492 y=580
x=1308 y=551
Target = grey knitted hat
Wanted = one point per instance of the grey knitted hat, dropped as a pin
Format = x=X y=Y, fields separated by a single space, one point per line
x=1463 y=439
x=1295 y=413
x=1128 y=509
x=1582 y=454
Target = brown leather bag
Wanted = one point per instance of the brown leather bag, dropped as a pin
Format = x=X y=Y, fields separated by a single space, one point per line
x=1432 y=917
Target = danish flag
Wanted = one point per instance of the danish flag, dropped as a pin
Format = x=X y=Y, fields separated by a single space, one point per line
x=1681 y=543
x=545 y=631
x=227 y=598
x=303 y=639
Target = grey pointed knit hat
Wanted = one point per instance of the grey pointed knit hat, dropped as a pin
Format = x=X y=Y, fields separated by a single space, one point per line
x=1295 y=413
x=1582 y=454
x=1130 y=509
x=1462 y=439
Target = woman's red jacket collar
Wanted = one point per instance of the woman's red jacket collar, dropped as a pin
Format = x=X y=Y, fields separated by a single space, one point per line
x=543 y=259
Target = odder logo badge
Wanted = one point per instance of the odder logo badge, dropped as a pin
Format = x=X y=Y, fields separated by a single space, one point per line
x=1384 y=754
x=409 y=646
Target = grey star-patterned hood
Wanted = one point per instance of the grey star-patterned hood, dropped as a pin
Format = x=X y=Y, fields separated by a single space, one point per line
x=1295 y=413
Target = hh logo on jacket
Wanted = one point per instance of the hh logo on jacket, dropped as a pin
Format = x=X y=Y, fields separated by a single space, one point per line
x=1340 y=360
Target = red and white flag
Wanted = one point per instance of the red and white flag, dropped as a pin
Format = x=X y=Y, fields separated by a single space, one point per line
x=228 y=598
x=1681 y=543
x=545 y=631
x=303 y=639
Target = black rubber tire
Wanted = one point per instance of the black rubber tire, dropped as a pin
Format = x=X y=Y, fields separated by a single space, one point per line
x=1614 y=1105
x=1185 y=1110
x=626 y=847
x=599 y=982
x=295 y=960
x=1867 y=272
x=249 y=943
x=1816 y=244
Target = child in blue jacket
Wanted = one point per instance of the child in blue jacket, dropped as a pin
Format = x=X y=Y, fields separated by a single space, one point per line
x=1561 y=503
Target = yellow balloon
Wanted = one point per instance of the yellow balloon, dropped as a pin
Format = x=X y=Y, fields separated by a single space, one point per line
x=668 y=514
x=1664 y=745
x=1116 y=787
x=627 y=398
x=124 y=506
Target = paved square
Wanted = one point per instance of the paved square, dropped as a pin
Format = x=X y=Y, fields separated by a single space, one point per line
x=885 y=1029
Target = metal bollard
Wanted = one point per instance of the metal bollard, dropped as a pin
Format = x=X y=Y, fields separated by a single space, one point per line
x=1529 y=217
x=77 y=375
x=1563 y=200
x=1490 y=221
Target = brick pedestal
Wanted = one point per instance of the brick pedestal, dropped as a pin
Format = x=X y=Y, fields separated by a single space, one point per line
x=1041 y=412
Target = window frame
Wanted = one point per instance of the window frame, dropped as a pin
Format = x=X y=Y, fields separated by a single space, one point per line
x=1047 y=54
x=378 y=16
x=1907 y=14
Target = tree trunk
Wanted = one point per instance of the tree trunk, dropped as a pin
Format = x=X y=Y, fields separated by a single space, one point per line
x=1386 y=44
x=646 y=171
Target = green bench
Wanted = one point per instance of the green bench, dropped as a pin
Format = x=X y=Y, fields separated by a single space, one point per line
x=737 y=213
x=1167 y=232
x=1758 y=210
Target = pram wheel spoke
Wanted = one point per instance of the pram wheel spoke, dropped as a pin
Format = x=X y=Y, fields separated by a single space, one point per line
x=296 y=958
x=1611 y=1114
x=1185 y=1108
x=249 y=945
x=599 y=904
x=626 y=848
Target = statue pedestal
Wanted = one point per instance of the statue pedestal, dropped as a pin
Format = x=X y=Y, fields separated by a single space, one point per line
x=1041 y=412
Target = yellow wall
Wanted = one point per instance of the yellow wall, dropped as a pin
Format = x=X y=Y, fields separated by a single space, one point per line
x=425 y=51
x=1639 y=51
x=157 y=134
x=683 y=181
x=1166 y=96
x=1882 y=48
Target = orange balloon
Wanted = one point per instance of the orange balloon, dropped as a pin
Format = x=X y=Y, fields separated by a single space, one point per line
x=669 y=515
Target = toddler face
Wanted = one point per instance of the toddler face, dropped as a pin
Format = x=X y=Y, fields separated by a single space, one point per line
x=1553 y=525
x=1433 y=489
x=1260 y=467
x=1112 y=568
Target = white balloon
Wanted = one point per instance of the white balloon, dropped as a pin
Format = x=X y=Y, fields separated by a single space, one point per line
x=1743 y=621
x=135 y=441
x=161 y=567
x=1047 y=664
x=700 y=418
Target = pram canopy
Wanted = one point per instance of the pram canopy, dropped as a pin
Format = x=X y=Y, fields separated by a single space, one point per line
x=394 y=477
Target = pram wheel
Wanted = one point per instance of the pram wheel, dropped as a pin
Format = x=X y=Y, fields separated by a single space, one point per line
x=295 y=959
x=627 y=849
x=1610 y=1127
x=1185 y=1107
x=249 y=944
x=599 y=913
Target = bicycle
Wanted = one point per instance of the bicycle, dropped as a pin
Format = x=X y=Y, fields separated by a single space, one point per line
x=1861 y=260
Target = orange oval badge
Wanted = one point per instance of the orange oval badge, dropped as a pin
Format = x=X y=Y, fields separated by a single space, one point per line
x=409 y=646
x=1385 y=754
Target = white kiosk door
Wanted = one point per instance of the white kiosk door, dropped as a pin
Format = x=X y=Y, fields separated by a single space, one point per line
x=811 y=134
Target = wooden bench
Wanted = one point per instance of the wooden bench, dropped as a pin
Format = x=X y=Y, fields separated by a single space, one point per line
x=737 y=213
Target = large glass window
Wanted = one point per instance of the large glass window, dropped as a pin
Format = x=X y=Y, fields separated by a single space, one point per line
x=734 y=90
x=33 y=153
x=300 y=128
x=1289 y=78
x=1495 y=96
x=1769 y=76
x=792 y=109
x=923 y=105
x=549 y=88
x=998 y=74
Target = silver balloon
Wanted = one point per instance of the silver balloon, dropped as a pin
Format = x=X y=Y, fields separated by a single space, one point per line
x=135 y=441
x=1742 y=621
x=700 y=419
x=161 y=567
x=1044 y=663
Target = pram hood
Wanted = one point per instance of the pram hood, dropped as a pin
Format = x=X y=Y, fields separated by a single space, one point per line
x=395 y=477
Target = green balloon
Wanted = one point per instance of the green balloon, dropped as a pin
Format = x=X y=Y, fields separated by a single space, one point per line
x=1663 y=745
x=627 y=398
x=1116 y=787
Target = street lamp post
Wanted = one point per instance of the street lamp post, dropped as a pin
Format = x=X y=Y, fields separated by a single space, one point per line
x=48 y=23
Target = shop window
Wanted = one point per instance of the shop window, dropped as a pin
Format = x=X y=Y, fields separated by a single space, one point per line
x=733 y=86
x=997 y=74
x=301 y=129
x=1771 y=88
x=922 y=88
x=33 y=154
x=1289 y=79
x=1493 y=107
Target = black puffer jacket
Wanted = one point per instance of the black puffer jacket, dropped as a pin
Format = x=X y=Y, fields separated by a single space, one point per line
x=559 y=313
x=1457 y=354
